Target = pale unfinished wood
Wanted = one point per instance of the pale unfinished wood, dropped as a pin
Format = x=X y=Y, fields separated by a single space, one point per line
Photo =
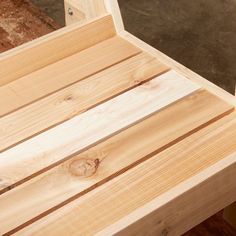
x=117 y=153
x=75 y=99
x=65 y=72
x=112 y=7
x=89 y=128
x=182 y=214
x=148 y=181
x=53 y=47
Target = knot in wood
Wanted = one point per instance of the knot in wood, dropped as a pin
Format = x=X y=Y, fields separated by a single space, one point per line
x=84 y=167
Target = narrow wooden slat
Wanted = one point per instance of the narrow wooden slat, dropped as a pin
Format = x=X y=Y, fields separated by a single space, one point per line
x=118 y=198
x=91 y=127
x=77 y=98
x=64 y=73
x=114 y=156
x=206 y=204
x=53 y=47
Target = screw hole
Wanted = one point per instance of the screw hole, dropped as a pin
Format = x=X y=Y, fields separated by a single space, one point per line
x=70 y=12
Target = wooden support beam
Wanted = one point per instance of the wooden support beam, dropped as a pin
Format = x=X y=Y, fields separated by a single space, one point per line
x=79 y=97
x=64 y=73
x=53 y=47
x=134 y=159
x=168 y=183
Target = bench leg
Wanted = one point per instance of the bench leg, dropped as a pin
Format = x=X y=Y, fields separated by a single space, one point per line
x=230 y=214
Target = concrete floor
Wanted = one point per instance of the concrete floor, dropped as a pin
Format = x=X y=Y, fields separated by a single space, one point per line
x=53 y=8
x=199 y=34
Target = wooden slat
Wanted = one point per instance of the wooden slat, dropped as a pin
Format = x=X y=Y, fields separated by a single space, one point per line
x=53 y=47
x=197 y=189
x=121 y=196
x=91 y=127
x=77 y=98
x=63 y=73
x=114 y=155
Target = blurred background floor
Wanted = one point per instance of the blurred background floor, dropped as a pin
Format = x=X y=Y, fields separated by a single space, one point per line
x=21 y=21
x=199 y=34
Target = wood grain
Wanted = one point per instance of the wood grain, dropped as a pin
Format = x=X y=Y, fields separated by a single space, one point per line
x=174 y=210
x=108 y=159
x=75 y=99
x=91 y=127
x=63 y=73
x=121 y=196
x=51 y=48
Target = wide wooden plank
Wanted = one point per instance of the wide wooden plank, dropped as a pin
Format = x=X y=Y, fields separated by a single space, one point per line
x=53 y=47
x=91 y=127
x=64 y=73
x=121 y=196
x=113 y=157
x=75 y=99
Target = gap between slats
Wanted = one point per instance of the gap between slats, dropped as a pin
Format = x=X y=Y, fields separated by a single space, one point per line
x=64 y=73
x=53 y=47
x=46 y=150
x=120 y=153
x=77 y=98
x=121 y=196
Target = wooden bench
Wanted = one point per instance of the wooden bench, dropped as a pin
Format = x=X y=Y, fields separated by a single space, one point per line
x=102 y=134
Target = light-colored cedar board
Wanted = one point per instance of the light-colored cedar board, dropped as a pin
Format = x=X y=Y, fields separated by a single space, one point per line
x=63 y=73
x=87 y=129
x=123 y=195
x=115 y=155
x=179 y=214
x=73 y=13
x=53 y=47
x=95 y=8
x=77 y=98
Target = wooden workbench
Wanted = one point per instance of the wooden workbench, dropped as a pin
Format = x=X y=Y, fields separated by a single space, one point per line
x=109 y=136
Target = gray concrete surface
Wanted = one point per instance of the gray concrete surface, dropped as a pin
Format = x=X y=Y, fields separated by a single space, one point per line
x=200 y=34
x=53 y=8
